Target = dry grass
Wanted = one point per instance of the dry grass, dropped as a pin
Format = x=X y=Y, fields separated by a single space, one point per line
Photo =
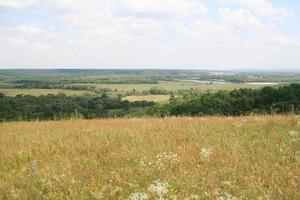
x=155 y=98
x=183 y=158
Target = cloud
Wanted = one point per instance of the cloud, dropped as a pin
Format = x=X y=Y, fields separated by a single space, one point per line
x=17 y=3
x=240 y=19
x=161 y=8
x=30 y=30
x=153 y=8
x=261 y=7
x=275 y=39
x=144 y=33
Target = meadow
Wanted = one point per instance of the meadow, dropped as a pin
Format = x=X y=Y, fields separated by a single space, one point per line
x=255 y=157
x=177 y=85
x=154 y=98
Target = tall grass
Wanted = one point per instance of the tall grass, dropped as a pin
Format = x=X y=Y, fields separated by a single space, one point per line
x=174 y=158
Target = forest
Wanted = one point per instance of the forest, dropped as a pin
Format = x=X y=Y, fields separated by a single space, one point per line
x=268 y=100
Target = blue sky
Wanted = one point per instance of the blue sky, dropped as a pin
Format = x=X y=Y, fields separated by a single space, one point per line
x=187 y=34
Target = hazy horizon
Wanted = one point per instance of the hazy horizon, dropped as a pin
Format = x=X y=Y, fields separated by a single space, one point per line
x=156 y=34
x=241 y=69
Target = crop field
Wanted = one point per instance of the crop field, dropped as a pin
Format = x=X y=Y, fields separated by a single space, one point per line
x=154 y=98
x=175 y=86
x=151 y=158
x=38 y=92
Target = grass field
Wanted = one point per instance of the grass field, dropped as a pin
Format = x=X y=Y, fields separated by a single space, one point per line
x=155 y=98
x=175 y=86
x=167 y=85
x=37 y=92
x=173 y=158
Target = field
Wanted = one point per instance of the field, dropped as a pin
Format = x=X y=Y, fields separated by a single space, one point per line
x=119 y=88
x=173 y=158
x=154 y=98
x=176 y=85
x=37 y=92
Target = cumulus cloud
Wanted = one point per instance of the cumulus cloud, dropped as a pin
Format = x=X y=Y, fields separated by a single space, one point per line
x=144 y=33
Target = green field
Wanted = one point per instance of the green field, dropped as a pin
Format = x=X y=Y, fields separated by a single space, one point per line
x=37 y=92
x=119 y=88
x=175 y=86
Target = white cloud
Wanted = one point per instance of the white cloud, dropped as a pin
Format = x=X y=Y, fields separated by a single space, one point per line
x=261 y=7
x=240 y=19
x=160 y=8
x=146 y=33
x=17 y=3
x=275 y=39
x=141 y=8
x=30 y=31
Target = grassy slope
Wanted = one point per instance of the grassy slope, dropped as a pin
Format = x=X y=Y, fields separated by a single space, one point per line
x=249 y=158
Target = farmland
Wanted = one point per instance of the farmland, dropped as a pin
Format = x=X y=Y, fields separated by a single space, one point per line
x=154 y=98
x=38 y=92
x=177 y=85
x=134 y=82
x=254 y=157
x=168 y=86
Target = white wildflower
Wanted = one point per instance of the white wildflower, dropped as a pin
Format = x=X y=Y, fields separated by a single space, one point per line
x=294 y=133
x=138 y=196
x=206 y=153
x=145 y=162
x=159 y=188
x=15 y=194
x=194 y=197
x=166 y=156
x=97 y=195
x=226 y=196
x=34 y=166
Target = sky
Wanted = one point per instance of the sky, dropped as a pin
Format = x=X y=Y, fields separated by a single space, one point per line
x=160 y=34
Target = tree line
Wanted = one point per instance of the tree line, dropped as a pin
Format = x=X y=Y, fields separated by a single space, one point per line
x=51 y=107
x=268 y=100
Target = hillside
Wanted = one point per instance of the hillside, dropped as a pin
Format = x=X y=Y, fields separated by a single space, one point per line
x=185 y=158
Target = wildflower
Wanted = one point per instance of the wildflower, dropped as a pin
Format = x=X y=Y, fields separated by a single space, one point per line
x=194 y=197
x=294 y=133
x=97 y=195
x=159 y=188
x=205 y=153
x=138 y=196
x=144 y=162
x=34 y=166
x=226 y=182
x=166 y=156
x=226 y=196
x=15 y=194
